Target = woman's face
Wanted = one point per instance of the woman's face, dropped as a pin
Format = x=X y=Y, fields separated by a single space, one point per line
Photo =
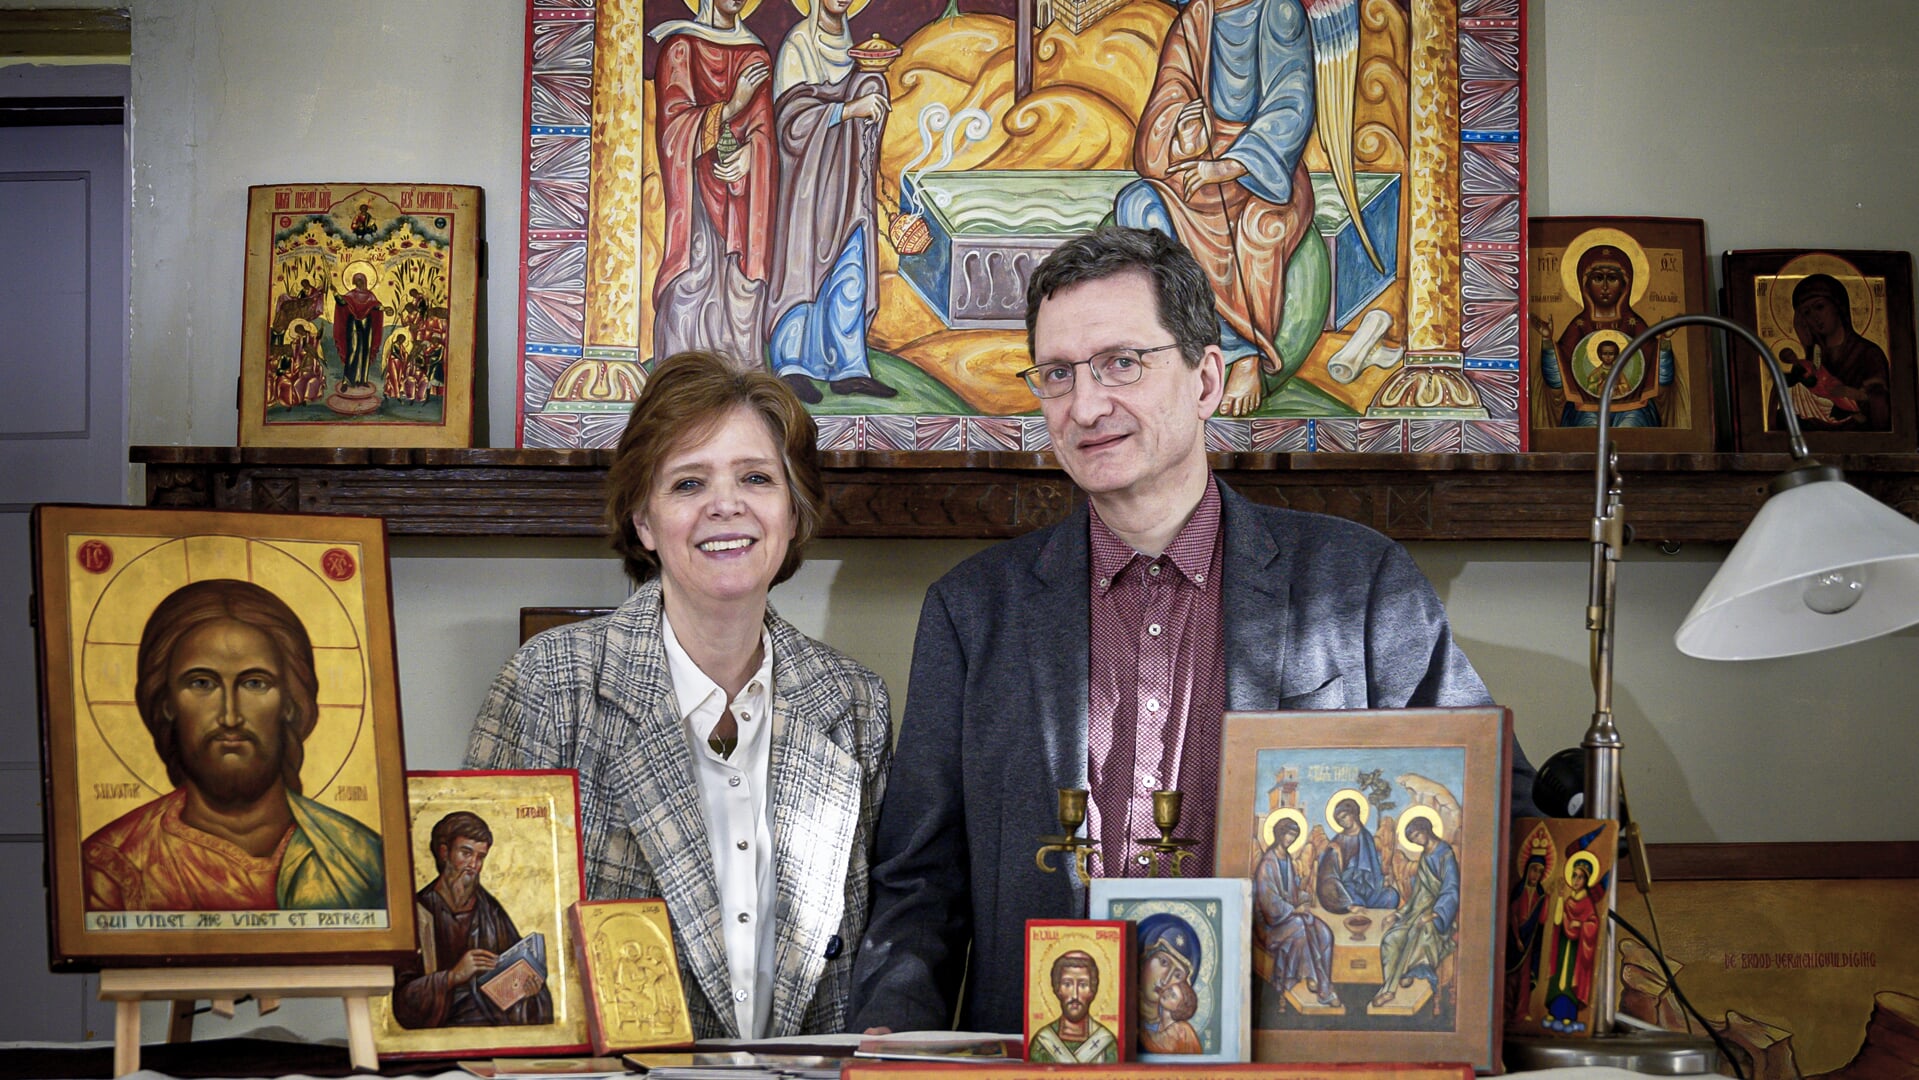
x=1822 y=318
x=719 y=514
x=1606 y=283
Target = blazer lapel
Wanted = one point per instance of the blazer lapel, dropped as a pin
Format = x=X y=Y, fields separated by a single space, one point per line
x=1255 y=606
x=1057 y=618
x=814 y=797
x=661 y=801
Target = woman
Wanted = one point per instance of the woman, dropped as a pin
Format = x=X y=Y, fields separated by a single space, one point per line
x=728 y=763
x=1169 y=961
x=828 y=117
x=1847 y=378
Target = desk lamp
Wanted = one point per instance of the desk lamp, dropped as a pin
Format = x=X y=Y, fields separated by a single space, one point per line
x=1822 y=564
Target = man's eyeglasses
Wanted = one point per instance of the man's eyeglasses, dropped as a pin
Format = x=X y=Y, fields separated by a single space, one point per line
x=1114 y=367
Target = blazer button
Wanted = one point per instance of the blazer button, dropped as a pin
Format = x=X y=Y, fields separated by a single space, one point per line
x=834 y=946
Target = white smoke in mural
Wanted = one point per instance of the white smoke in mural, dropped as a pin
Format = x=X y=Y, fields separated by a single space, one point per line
x=955 y=132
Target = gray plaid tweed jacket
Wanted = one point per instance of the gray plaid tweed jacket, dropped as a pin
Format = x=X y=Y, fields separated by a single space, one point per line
x=595 y=696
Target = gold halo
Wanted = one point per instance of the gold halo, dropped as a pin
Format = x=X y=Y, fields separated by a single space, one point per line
x=1592 y=864
x=1267 y=827
x=306 y=324
x=399 y=337
x=1585 y=359
x=751 y=6
x=1419 y=813
x=1365 y=807
x=806 y=8
x=1538 y=842
x=118 y=618
x=1804 y=266
x=344 y=281
x=1591 y=238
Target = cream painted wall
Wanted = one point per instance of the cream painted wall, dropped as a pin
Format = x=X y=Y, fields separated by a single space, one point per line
x=1778 y=122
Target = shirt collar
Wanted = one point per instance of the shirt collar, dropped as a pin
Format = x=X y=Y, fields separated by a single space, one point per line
x=700 y=698
x=1191 y=552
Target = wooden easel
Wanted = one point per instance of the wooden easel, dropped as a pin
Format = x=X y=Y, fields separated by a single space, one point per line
x=352 y=983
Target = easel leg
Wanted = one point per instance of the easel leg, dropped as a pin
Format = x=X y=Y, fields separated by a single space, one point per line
x=359 y=1033
x=180 y=1025
x=126 y=1038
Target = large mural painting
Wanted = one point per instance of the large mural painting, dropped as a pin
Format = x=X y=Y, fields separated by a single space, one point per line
x=854 y=194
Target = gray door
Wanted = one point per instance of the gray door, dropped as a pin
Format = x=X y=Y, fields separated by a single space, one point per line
x=63 y=438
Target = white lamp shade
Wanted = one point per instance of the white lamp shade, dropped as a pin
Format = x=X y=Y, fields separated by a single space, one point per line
x=1755 y=607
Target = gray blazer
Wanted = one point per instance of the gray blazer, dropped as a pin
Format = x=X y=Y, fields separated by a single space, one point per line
x=595 y=696
x=1319 y=613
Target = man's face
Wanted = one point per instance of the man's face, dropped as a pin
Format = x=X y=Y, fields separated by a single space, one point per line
x=1124 y=442
x=465 y=858
x=1284 y=835
x=1347 y=817
x=1606 y=283
x=1075 y=988
x=224 y=690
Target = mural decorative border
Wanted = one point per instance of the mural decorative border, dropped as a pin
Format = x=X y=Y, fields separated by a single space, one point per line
x=1475 y=303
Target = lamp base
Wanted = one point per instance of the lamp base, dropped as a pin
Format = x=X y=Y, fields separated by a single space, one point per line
x=1656 y=1053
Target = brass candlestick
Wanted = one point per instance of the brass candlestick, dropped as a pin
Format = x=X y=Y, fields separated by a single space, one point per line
x=1079 y=853
x=1175 y=849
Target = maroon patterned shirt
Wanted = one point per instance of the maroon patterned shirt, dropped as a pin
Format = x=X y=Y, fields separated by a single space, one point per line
x=1156 y=689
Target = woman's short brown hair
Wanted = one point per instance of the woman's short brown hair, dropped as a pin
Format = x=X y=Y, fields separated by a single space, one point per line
x=685 y=398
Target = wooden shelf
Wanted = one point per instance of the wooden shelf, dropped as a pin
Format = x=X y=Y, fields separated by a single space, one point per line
x=1668 y=497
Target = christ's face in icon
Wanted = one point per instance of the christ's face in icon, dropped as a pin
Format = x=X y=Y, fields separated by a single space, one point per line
x=1608 y=352
x=224 y=690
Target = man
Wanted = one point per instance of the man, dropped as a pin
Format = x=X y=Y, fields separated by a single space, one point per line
x=1298 y=943
x=1076 y=1038
x=1221 y=154
x=1100 y=653
x=225 y=684
x=463 y=930
x=1420 y=935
